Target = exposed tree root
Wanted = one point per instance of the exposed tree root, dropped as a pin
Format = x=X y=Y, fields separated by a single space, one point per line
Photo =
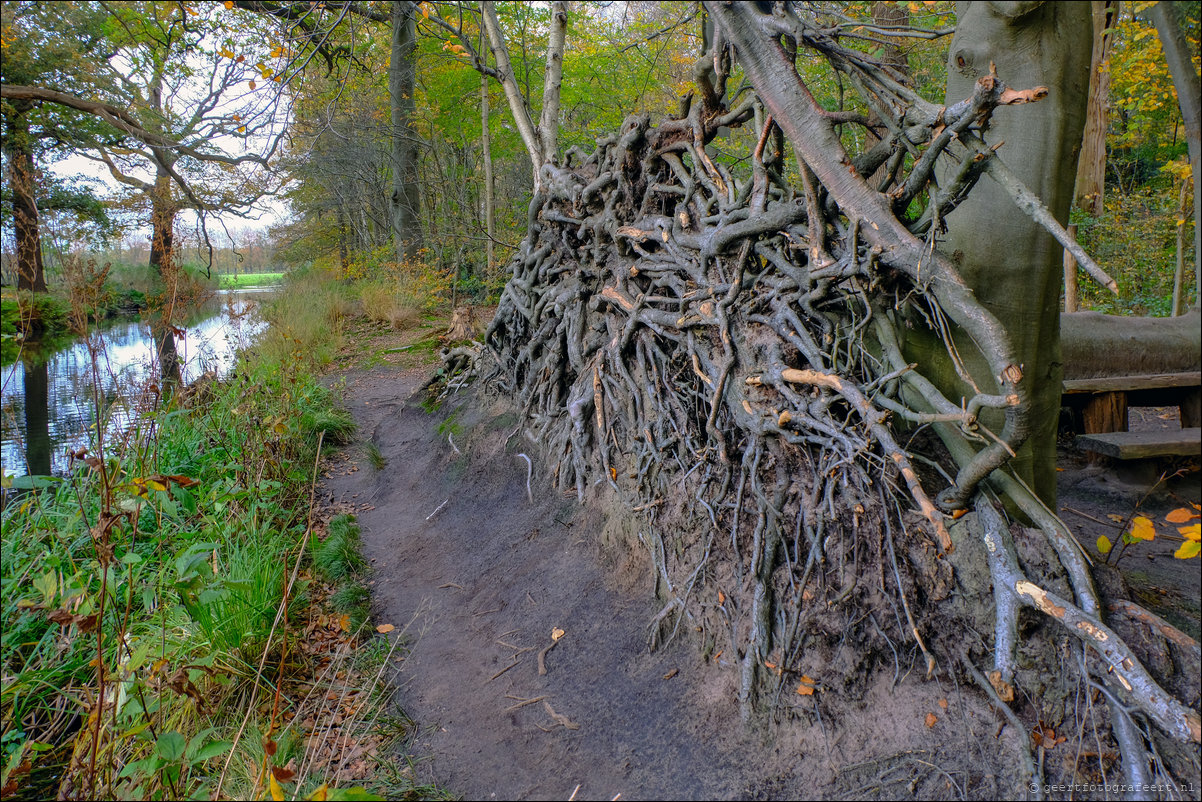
x=719 y=347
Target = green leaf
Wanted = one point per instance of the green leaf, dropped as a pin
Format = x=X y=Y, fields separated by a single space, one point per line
x=212 y=749
x=33 y=482
x=171 y=746
x=1104 y=544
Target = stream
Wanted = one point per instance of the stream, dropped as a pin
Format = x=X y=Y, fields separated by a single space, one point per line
x=50 y=405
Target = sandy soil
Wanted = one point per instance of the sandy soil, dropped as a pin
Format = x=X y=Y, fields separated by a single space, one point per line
x=481 y=576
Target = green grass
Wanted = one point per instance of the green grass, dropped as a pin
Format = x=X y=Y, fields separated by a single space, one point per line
x=242 y=280
x=206 y=511
x=375 y=457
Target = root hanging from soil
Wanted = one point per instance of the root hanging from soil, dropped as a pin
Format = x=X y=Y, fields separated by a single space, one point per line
x=716 y=341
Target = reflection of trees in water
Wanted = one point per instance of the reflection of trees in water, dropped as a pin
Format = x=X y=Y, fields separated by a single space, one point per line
x=64 y=390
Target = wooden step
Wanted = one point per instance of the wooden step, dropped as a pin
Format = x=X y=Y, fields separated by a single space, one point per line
x=1140 y=445
x=1111 y=384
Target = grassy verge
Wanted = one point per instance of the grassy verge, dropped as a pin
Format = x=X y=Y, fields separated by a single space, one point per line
x=249 y=280
x=177 y=622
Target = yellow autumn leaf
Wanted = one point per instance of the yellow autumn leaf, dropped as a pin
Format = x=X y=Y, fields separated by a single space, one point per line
x=557 y=633
x=1189 y=548
x=384 y=629
x=1192 y=532
x=344 y=623
x=252 y=84
x=1180 y=516
x=277 y=793
x=242 y=129
x=229 y=4
x=807 y=686
x=1142 y=528
x=321 y=794
x=1118 y=519
x=1104 y=544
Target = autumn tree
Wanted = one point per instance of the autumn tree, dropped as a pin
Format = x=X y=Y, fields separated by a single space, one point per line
x=181 y=144
x=33 y=54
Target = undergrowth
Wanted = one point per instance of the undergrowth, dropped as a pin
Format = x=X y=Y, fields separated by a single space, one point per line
x=160 y=636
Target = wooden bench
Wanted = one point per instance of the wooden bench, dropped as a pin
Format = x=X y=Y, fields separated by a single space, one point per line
x=1102 y=404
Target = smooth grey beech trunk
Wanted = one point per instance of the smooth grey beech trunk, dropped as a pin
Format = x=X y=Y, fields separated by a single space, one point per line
x=1010 y=262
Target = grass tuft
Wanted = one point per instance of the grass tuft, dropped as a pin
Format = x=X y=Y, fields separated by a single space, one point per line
x=337 y=556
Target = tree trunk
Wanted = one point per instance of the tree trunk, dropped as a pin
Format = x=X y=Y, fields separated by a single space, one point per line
x=402 y=77
x=1009 y=261
x=1170 y=26
x=541 y=143
x=548 y=126
x=1091 y=168
x=22 y=178
x=1179 y=266
x=344 y=261
x=490 y=213
x=162 y=264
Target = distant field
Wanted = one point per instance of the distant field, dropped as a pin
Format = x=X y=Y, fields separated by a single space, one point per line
x=249 y=280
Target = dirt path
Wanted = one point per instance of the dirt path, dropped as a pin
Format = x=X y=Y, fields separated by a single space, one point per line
x=481 y=576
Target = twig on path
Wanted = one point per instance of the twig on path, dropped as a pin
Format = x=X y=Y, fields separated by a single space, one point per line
x=529 y=473
x=523 y=703
x=560 y=718
x=438 y=509
x=452 y=442
x=502 y=671
x=542 y=656
x=1113 y=524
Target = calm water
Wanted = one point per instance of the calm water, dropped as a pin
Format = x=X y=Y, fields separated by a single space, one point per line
x=49 y=407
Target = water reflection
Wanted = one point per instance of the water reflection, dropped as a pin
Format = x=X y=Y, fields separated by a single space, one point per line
x=51 y=405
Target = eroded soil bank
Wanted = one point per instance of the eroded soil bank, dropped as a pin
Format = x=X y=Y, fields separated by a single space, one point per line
x=482 y=576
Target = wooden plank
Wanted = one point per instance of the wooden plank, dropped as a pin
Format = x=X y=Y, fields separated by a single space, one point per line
x=1138 y=445
x=1113 y=384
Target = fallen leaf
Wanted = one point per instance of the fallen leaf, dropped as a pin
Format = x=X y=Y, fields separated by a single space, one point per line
x=1180 y=516
x=1188 y=550
x=930 y=720
x=1142 y=528
x=1005 y=690
x=1193 y=532
x=277 y=793
x=1115 y=517
x=808 y=685
x=557 y=633
x=384 y=629
x=672 y=673
x=721 y=597
x=1104 y=544
x=943 y=704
